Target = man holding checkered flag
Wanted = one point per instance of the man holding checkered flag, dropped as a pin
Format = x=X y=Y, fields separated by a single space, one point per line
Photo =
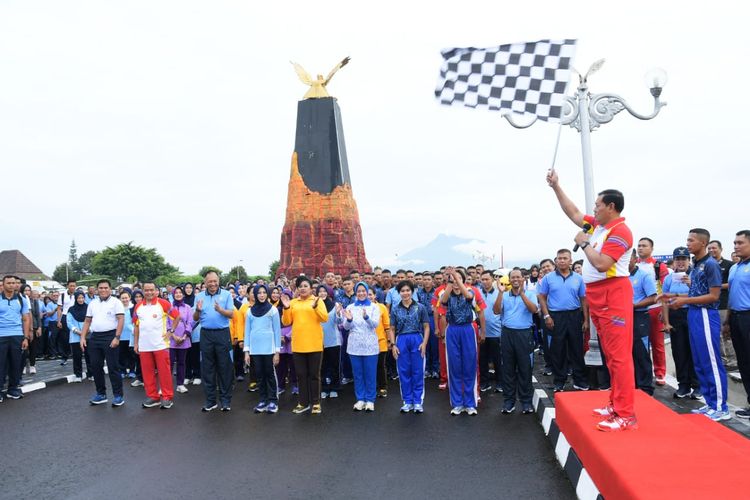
x=524 y=78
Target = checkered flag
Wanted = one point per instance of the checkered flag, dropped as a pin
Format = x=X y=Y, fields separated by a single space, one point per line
x=516 y=78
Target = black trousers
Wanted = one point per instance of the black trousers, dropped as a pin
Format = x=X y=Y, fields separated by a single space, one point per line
x=517 y=348
x=217 y=365
x=680 y=345
x=331 y=368
x=644 y=369
x=739 y=326
x=53 y=339
x=193 y=362
x=382 y=377
x=566 y=347
x=99 y=350
x=63 y=339
x=10 y=362
x=307 y=365
x=77 y=354
x=127 y=357
x=265 y=374
x=490 y=352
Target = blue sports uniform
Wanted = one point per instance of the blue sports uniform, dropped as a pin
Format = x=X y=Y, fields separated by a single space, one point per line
x=704 y=326
x=461 y=351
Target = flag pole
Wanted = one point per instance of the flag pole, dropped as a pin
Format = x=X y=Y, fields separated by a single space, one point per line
x=557 y=146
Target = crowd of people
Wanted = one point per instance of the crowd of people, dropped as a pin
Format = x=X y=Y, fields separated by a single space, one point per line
x=474 y=329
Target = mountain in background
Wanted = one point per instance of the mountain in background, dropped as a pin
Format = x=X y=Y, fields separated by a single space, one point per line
x=448 y=250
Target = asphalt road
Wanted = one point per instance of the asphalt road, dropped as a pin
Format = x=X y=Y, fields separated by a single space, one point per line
x=57 y=446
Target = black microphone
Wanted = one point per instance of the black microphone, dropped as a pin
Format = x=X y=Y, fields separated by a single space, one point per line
x=586 y=228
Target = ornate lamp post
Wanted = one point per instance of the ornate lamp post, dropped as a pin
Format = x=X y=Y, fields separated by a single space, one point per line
x=586 y=112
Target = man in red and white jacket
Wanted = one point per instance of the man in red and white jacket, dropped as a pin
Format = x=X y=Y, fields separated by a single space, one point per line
x=151 y=339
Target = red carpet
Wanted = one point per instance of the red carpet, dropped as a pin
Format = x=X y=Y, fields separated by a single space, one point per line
x=669 y=456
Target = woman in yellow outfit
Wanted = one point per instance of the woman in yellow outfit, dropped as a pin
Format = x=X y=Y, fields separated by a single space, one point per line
x=306 y=314
x=383 y=327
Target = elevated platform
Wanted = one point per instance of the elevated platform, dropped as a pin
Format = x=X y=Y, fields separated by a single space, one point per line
x=671 y=456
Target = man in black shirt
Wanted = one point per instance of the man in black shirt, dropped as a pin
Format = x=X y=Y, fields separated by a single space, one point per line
x=728 y=355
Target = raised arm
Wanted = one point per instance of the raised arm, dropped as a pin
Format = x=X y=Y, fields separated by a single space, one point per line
x=567 y=205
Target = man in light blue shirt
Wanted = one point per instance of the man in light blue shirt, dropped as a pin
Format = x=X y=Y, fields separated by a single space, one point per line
x=517 y=307
x=739 y=311
x=562 y=298
x=644 y=295
x=214 y=307
x=489 y=350
x=15 y=333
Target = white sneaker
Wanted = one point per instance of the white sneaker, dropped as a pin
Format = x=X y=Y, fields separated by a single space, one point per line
x=76 y=380
x=197 y=381
x=333 y=394
x=457 y=410
x=369 y=406
x=418 y=408
x=359 y=406
x=181 y=389
x=188 y=381
x=323 y=395
x=136 y=383
x=32 y=370
x=606 y=411
x=471 y=411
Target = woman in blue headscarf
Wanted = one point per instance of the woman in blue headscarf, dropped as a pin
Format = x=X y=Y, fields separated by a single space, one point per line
x=263 y=344
x=361 y=318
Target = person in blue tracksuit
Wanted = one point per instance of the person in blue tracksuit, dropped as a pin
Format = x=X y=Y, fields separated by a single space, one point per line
x=704 y=325
x=460 y=344
x=410 y=330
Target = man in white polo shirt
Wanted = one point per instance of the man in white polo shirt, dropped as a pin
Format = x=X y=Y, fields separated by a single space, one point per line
x=151 y=340
x=105 y=317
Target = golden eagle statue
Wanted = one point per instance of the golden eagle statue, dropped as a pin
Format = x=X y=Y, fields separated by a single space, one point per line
x=318 y=86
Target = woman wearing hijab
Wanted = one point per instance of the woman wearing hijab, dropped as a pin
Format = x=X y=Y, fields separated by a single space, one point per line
x=285 y=371
x=360 y=319
x=188 y=290
x=127 y=357
x=136 y=374
x=306 y=314
x=331 y=371
x=75 y=318
x=263 y=344
x=179 y=343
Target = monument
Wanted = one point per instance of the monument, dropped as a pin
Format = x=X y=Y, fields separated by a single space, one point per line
x=321 y=231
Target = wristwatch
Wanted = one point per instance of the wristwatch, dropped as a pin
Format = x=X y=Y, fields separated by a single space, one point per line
x=584 y=244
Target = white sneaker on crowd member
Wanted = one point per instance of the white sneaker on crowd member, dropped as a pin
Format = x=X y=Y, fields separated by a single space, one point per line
x=359 y=406
x=32 y=370
x=333 y=394
x=181 y=389
x=197 y=381
x=369 y=406
x=136 y=383
x=188 y=381
x=76 y=380
x=323 y=395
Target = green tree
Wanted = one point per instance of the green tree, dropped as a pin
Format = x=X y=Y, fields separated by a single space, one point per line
x=73 y=253
x=127 y=259
x=206 y=269
x=63 y=272
x=83 y=266
x=236 y=273
x=273 y=268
